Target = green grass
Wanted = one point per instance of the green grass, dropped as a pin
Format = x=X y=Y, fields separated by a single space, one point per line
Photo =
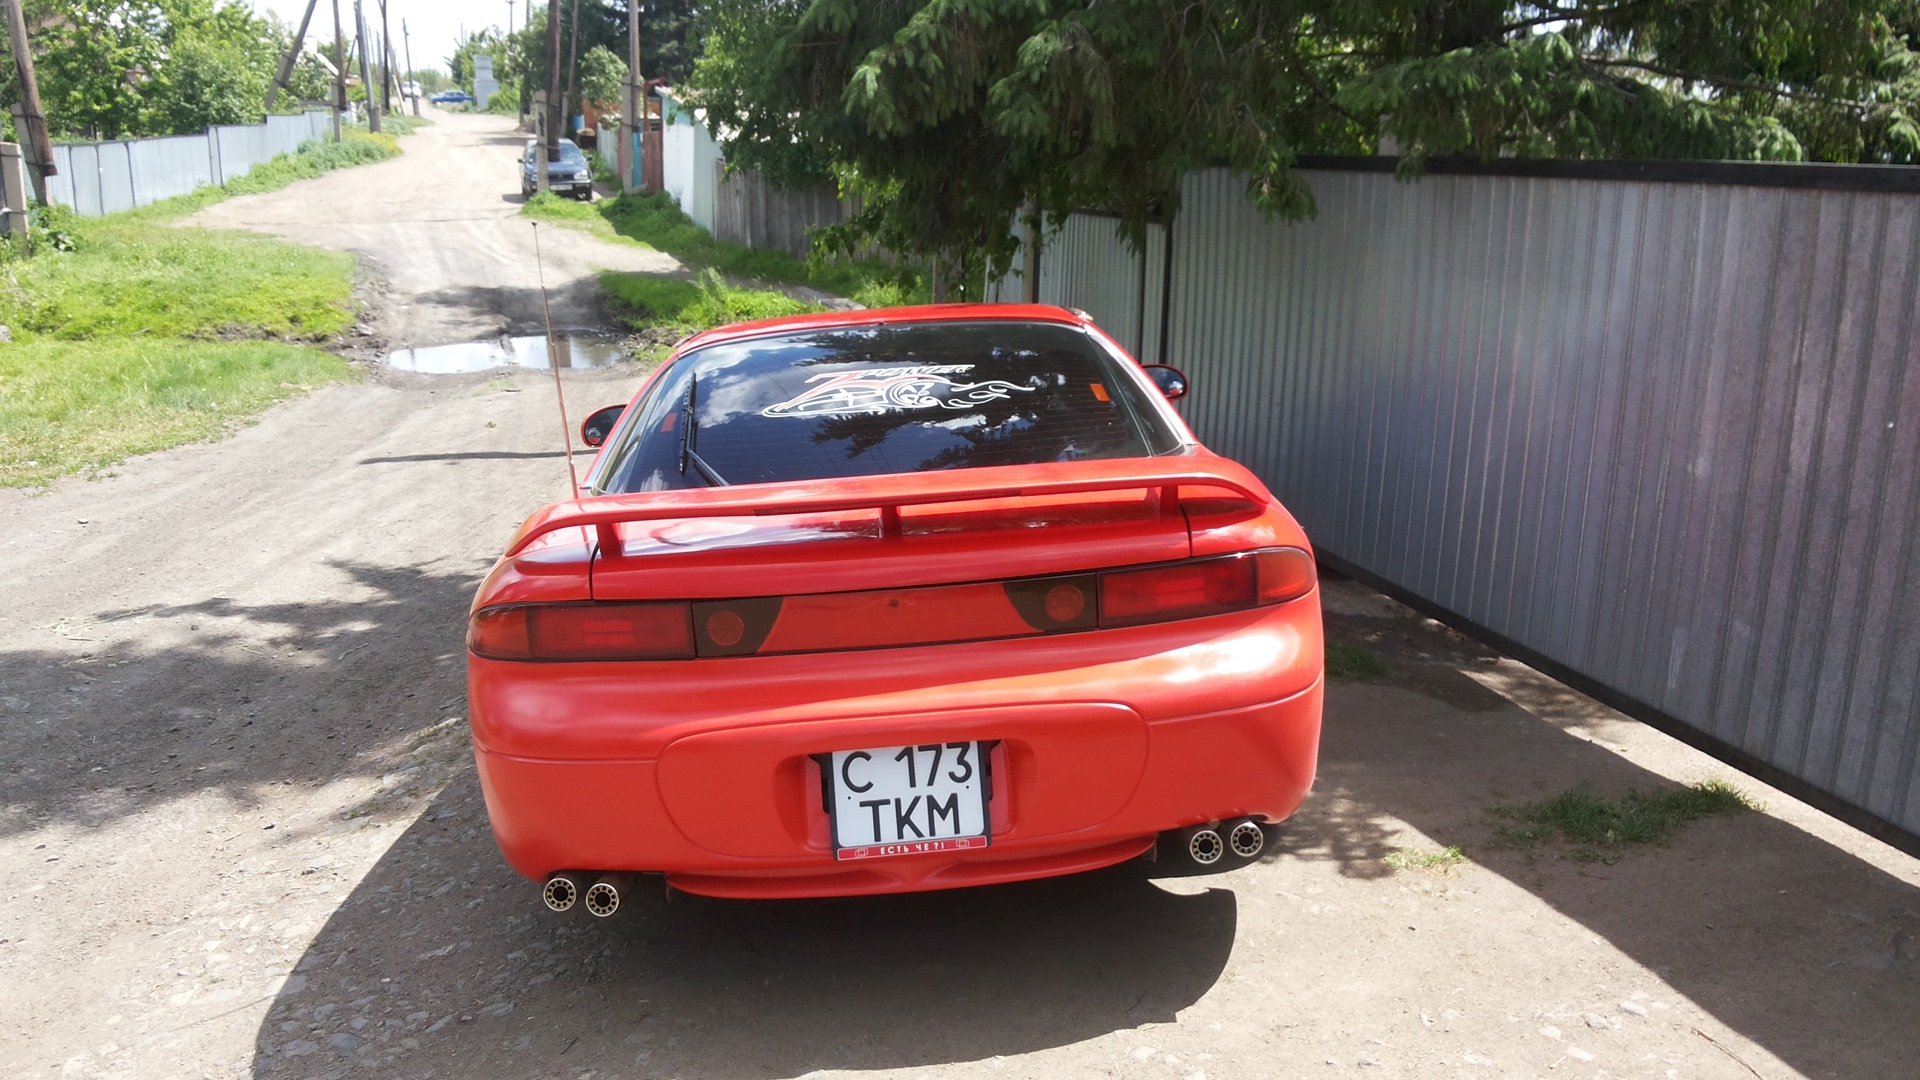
x=133 y=335
x=1600 y=829
x=72 y=407
x=130 y=274
x=1353 y=663
x=665 y=310
x=654 y=221
x=1409 y=859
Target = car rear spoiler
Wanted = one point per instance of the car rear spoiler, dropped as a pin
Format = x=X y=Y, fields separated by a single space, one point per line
x=887 y=494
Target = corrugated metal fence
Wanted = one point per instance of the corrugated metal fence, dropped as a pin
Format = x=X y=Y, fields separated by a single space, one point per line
x=108 y=177
x=1664 y=435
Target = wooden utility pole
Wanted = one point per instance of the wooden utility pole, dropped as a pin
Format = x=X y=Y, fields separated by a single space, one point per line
x=550 y=138
x=292 y=57
x=33 y=133
x=339 y=73
x=573 y=61
x=406 y=40
x=386 y=54
x=366 y=69
x=634 y=108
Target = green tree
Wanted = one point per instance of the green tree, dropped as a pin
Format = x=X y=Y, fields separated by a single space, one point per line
x=96 y=60
x=951 y=116
x=665 y=49
x=113 y=69
x=602 y=76
x=219 y=62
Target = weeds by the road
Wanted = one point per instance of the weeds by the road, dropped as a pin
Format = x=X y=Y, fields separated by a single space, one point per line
x=1600 y=828
x=1353 y=663
x=125 y=326
x=1409 y=859
x=667 y=309
x=654 y=221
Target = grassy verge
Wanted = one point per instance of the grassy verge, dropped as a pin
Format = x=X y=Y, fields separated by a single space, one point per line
x=654 y=221
x=134 y=275
x=664 y=310
x=132 y=335
x=80 y=406
x=1601 y=829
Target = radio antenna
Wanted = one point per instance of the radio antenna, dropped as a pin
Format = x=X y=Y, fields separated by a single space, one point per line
x=553 y=363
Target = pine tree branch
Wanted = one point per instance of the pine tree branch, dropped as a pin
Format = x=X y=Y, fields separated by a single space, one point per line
x=1727 y=83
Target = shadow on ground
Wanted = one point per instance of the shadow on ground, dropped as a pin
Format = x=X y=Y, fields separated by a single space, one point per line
x=463 y=972
x=1799 y=946
x=155 y=704
x=576 y=303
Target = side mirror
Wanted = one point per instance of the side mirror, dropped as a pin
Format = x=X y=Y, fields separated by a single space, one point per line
x=595 y=429
x=1171 y=380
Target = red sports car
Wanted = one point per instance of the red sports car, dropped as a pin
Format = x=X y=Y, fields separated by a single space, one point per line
x=884 y=601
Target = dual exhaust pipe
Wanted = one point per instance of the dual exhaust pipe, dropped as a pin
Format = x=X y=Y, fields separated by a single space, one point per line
x=601 y=898
x=1208 y=844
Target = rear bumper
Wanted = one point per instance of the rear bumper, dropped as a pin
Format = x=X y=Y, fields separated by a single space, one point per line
x=1079 y=786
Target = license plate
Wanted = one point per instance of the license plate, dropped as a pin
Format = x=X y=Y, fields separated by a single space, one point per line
x=908 y=800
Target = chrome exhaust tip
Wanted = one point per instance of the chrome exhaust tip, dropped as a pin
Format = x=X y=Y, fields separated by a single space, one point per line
x=560 y=892
x=1204 y=845
x=603 y=896
x=1246 y=838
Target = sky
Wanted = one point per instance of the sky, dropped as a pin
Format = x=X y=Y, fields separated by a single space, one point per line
x=435 y=25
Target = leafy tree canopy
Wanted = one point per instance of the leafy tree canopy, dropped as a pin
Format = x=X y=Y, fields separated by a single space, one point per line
x=950 y=116
x=129 y=68
x=520 y=59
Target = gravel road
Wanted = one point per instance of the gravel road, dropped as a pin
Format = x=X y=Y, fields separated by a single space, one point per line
x=446 y=257
x=240 y=834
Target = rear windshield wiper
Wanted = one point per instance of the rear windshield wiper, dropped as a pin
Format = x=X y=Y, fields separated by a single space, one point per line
x=688 y=424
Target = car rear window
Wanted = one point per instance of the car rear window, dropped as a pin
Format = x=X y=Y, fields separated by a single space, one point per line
x=863 y=400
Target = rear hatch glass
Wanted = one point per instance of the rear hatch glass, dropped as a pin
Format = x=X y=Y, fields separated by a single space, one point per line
x=865 y=400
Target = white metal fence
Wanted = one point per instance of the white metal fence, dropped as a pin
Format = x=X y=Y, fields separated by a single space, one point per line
x=108 y=177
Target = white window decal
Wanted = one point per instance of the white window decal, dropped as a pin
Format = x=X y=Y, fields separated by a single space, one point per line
x=875 y=391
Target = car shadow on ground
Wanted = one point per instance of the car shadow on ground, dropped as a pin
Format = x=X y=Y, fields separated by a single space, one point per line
x=459 y=969
x=1805 y=948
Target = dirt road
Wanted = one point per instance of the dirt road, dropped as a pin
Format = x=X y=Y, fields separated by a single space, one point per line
x=445 y=254
x=240 y=833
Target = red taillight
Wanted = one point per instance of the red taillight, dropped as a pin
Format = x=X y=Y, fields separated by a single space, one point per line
x=588 y=631
x=1284 y=574
x=925 y=615
x=1204 y=586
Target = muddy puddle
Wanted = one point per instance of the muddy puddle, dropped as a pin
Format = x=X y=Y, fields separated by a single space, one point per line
x=575 y=350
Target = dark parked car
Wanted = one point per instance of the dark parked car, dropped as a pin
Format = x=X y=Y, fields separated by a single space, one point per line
x=569 y=175
x=451 y=97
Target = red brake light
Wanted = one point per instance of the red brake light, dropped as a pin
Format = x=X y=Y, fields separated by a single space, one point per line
x=587 y=631
x=1199 y=587
x=1180 y=591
